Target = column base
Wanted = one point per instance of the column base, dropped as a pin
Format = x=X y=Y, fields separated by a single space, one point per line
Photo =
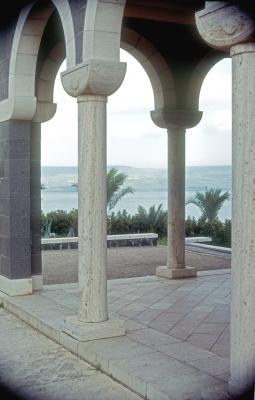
x=16 y=287
x=86 y=331
x=37 y=282
x=180 y=273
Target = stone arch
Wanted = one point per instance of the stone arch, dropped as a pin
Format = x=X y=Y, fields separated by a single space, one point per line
x=46 y=108
x=30 y=27
x=199 y=73
x=155 y=66
x=102 y=30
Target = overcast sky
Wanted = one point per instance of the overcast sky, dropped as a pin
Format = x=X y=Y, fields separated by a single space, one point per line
x=133 y=139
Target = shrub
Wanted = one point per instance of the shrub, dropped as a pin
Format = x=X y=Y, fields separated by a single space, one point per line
x=153 y=220
x=61 y=221
x=120 y=222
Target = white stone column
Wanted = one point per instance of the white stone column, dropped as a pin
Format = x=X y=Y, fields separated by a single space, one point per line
x=226 y=26
x=176 y=198
x=92 y=82
x=92 y=208
x=176 y=122
x=243 y=220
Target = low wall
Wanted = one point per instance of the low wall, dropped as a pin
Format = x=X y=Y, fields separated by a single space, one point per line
x=137 y=239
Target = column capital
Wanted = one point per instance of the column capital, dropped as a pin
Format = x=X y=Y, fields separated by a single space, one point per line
x=223 y=25
x=173 y=118
x=94 y=77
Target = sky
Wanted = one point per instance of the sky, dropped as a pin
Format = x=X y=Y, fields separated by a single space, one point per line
x=132 y=138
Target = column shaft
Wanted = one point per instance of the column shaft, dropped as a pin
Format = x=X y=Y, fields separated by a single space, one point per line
x=92 y=208
x=243 y=219
x=176 y=198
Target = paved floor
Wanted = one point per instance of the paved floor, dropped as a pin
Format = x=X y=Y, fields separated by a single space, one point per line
x=177 y=341
x=35 y=367
x=61 y=266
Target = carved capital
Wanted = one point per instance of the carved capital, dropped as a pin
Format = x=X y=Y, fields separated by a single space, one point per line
x=95 y=77
x=223 y=25
x=172 y=118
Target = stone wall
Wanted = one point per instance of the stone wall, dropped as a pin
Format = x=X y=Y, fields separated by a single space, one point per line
x=15 y=245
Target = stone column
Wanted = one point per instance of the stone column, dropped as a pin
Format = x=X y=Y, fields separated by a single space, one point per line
x=91 y=83
x=176 y=122
x=243 y=218
x=92 y=208
x=226 y=26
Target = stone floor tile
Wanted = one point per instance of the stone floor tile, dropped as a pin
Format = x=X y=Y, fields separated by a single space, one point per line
x=213 y=365
x=162 y=326
x=152 y=337
x=221 y=350
x=132 y=325
x=211 y=328
x=184 y=351
x=181 y=332
x=148 y=315
x=155 y=367
x=204 y=340
x=167 y=316
x=180 y=308
x=128 y=313
x=159 y=306
x=135 y=306
x=115 y=348
x=218 y=317
x=185 y=387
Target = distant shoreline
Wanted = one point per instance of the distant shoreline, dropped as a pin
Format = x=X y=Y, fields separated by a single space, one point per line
x=131 y=166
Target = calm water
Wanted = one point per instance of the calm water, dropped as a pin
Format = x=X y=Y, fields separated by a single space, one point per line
x=150 y=187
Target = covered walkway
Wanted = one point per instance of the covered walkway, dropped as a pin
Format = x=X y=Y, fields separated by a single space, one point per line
x=177 y=341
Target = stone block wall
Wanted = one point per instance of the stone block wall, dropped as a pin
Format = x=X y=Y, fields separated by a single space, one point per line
x=15 y=240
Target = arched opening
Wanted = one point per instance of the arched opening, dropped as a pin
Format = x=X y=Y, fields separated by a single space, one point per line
x=208 y=150
x=129 y=124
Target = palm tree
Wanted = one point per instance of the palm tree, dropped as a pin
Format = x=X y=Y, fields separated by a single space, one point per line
x=153 y=220
x=115 y=191
x=210 y=202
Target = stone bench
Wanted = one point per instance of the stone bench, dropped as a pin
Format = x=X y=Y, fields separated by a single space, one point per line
x=137 y=239
x=127 y=240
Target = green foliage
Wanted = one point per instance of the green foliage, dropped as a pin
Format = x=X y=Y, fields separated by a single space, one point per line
x=218 y=230
x=120 y=222
x=153 y=220
x=115 y=191
x=210 y=203
x=61 y=221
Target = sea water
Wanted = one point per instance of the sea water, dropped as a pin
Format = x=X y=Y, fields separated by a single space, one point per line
x=149 y=185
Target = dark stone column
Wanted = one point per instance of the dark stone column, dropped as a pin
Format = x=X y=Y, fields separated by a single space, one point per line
x=35 y=204
x=15 y=240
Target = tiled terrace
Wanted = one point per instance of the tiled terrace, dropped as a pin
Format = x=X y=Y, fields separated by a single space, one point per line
x=177 y=342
